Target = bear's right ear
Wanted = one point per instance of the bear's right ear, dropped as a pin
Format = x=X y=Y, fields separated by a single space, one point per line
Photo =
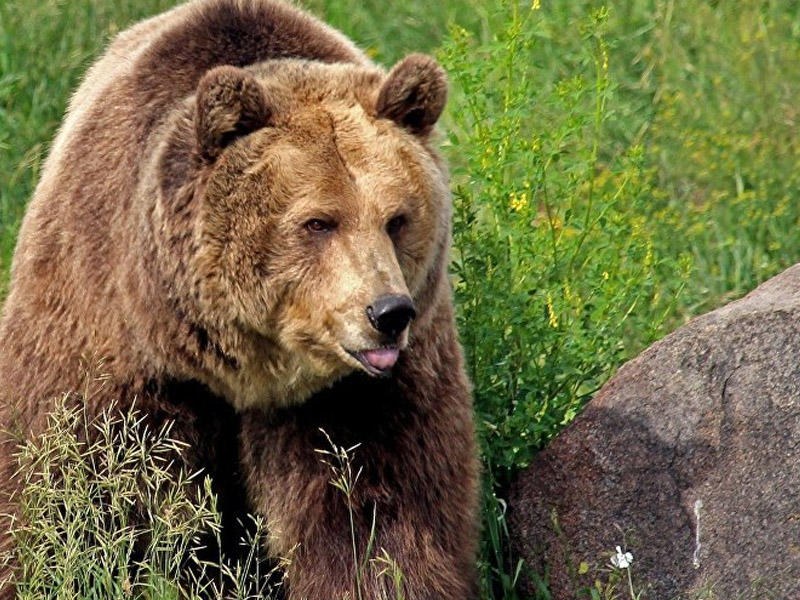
x=230 y=104
x=414 y=94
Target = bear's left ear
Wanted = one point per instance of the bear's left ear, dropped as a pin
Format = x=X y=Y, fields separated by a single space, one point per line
x=230 y=104
x=414 y=94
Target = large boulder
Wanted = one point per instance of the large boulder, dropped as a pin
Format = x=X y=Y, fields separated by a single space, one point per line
x=689 y=458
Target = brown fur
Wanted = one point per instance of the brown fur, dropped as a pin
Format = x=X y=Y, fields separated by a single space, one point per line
x=169 y=238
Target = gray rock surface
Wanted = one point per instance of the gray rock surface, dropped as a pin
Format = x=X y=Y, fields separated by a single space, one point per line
x=705 y=422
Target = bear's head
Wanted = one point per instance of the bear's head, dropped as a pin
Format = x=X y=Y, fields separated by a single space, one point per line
x=323 y=221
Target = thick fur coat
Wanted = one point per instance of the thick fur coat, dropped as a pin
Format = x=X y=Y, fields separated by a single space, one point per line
x=238 y=220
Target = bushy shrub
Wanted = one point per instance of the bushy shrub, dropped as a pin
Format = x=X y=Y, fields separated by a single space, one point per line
x=555 y=267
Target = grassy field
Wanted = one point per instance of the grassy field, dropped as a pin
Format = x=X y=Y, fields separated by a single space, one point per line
x=617 y=169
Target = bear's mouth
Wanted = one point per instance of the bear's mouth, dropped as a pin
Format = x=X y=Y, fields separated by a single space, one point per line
x=377 y=361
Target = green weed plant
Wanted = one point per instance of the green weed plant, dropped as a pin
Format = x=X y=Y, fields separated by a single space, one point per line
x=554 y=262
x=555 y=270
x=104 y=513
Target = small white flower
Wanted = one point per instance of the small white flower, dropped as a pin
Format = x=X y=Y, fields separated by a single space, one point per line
x=622 y=560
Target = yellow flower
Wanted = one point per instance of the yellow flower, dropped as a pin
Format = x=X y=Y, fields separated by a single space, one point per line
x=551 y=313
x=567 y=292
x=648 y=259
x=518 y=201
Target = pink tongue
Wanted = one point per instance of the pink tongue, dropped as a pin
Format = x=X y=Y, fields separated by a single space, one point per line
x=382 y=358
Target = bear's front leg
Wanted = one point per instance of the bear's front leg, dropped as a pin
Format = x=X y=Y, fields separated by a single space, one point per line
x=405 y=517
x=385 y=556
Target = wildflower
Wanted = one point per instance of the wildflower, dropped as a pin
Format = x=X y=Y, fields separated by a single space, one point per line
x=621 y=560
x=518 y=201
x=551 y=313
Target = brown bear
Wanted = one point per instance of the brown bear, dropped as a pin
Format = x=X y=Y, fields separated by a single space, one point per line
x=247 y=222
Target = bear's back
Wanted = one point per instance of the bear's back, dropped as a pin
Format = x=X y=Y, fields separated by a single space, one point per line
x=153 y=66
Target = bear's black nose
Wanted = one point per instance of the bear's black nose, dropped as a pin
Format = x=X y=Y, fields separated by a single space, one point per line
x=391 y=314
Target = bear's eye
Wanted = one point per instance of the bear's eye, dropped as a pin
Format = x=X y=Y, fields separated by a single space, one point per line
x=396 y=225
x=319 y=225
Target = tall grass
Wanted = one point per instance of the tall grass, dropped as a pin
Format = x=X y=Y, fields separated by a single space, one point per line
x=106 y=512
x=617 y=168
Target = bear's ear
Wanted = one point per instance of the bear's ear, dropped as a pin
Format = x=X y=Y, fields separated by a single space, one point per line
x=230 y=104
x=414 y=94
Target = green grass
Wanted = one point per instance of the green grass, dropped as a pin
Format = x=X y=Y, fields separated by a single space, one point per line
x=617 y=169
